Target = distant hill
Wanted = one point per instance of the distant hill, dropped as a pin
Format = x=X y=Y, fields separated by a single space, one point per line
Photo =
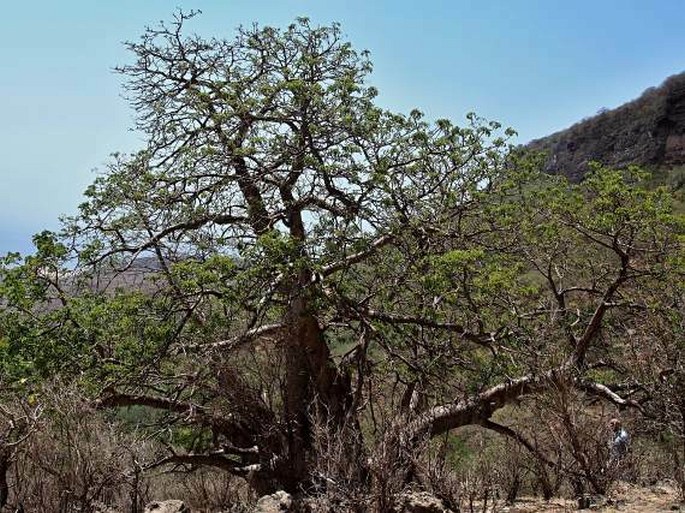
x=648 y=131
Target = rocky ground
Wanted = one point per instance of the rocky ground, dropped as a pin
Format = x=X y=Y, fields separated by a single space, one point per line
x=625 y=498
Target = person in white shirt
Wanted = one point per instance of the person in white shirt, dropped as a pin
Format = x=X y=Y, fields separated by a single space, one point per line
x=620 y=440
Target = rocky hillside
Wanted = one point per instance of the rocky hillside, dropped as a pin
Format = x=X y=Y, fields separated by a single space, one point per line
x=649 y=131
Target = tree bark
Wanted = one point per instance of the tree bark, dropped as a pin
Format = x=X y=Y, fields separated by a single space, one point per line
x=4 y=469
x=316 y=391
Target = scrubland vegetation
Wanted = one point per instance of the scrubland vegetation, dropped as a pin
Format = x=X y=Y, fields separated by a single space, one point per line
x=290 y=288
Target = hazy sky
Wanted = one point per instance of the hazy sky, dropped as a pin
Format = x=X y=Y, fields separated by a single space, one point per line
x=535 y=65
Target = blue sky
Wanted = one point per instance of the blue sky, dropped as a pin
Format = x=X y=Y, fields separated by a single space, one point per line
x=535 y=65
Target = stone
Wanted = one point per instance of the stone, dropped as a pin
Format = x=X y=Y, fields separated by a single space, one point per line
x=422 y=502
x=279 y=502
x=170 y=506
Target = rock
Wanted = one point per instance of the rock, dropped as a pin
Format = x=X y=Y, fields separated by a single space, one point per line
x=278 y=502
x=171 y=506
x=589 y=501
x=661 y=490
x=422 y=502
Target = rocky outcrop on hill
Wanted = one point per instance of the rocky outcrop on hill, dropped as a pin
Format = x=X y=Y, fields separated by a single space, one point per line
x=649 y=131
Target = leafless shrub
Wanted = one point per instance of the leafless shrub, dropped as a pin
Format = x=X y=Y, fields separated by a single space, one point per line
x=514 y=469
x=77 y=461
x=580 y=437
x=479 y=474
x=202 y=490
x=435 y=469
x=18 y=421
x=339 y=475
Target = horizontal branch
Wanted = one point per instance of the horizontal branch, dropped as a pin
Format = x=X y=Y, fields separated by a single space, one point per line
x=479 y=338
x=160 y=403
x=207 y=460
x=232 y=343
x=194 y=413
x=604 y=391
x=474 y=410
x=479 y=409
x=193 y=224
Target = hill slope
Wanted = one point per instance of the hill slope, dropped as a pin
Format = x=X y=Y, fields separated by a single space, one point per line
x=648 y=131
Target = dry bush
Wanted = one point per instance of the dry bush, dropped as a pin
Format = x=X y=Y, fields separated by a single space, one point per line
x=650 y=460
x=480 y=477
x=18 y=421
x=436 y=470
x=515 y=469
x=576 y=432
x=493 y=470
x=76 y=461
x=203 y=490
x=82 y=459
x=666 y=412
x=659 y=454
x=340 y=480
x=470 y=470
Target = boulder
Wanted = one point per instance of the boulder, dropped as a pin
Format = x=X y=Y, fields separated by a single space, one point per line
x=279 y=502
x=422 y=502
x=171 y=506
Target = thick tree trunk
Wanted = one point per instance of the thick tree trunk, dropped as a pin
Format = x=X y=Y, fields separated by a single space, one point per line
x=316 y=391
x=4 y=469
